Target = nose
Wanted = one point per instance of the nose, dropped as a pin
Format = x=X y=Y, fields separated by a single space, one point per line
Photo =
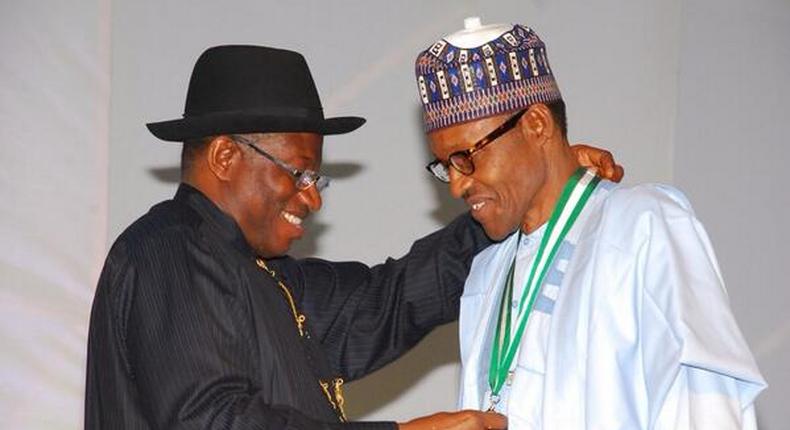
x=459 y=183
x=311 y=197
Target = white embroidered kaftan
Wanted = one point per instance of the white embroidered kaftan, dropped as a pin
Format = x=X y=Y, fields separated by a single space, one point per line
x=632 y=328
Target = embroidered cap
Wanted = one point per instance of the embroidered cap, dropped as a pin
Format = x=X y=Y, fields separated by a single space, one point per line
x=483 y=71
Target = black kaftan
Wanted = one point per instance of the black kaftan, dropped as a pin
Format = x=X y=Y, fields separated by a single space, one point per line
x=188 y=332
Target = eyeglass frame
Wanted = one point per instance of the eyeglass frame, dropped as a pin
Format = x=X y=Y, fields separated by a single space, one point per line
x=469 y=152
x=303 y=179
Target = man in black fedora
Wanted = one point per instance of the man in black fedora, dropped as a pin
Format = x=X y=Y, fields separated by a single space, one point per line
x=200 y=320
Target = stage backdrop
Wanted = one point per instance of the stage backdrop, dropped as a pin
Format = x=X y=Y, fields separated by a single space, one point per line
x=54 y=124
x=688 y=92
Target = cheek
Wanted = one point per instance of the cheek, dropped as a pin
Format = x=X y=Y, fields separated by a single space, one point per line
x=269 y=189
x=262 y=197
x=514 y=181
x=503 y=176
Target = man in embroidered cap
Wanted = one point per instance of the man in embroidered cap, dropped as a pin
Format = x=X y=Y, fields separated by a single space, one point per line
x=602 y=306
x=201 y=321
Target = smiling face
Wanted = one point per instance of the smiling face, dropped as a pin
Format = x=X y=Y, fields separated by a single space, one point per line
x=509 y=176
x=262 y=197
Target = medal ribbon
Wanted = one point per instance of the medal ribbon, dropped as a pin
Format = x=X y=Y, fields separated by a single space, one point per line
x=573 y=198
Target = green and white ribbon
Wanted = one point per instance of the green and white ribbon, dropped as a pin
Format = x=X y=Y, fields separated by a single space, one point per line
x=571 y=202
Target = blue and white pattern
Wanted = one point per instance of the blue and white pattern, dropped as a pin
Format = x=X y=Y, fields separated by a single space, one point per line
x=458 y=85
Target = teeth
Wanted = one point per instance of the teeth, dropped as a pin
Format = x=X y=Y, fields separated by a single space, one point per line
x=293 y=219
x=477 y=206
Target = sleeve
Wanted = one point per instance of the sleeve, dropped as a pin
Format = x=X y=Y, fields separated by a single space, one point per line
x=189 y=350
x=365 y=317
x=698 y=370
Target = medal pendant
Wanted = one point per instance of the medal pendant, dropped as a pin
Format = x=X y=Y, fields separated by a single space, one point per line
x=493 y=399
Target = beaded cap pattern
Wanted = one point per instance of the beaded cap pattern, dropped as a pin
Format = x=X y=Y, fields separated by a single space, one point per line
x=462 y=84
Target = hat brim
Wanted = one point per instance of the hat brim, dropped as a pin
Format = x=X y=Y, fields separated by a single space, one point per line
x=194 y=127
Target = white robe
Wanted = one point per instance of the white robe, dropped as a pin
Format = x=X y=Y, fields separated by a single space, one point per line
x=632 y=328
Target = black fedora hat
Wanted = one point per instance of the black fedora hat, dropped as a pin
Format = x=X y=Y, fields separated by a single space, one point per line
x=251 y=89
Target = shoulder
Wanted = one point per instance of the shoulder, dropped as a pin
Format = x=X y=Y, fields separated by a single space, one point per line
x=627 y=206
x=639 y=200
x=629 y=216
x=167 y=222
x=163 y=247
x=161 y=236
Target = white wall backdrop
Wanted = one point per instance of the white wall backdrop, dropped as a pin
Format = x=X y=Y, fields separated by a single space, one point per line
x=732 y=144
x=682 y=91
x=54 y=122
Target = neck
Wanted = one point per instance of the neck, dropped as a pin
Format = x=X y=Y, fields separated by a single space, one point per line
x=558 y=170
x=205 y=185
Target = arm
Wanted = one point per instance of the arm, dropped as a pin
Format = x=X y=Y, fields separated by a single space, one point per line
x=711 y=379
x=652 y=331
x=366 y=317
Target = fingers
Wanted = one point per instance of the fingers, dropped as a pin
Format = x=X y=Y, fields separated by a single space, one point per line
x=601 y=159
x=583 y=153
x=607 y=168
x=492 y=420
x=461 y=420
x=611 y=170
x=618 y=173
x=474 y=420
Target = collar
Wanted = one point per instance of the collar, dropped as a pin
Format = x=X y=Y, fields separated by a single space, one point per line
x=215 y=220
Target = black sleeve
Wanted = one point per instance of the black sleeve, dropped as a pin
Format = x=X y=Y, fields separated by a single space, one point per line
x=169 y=348
x=366 y=317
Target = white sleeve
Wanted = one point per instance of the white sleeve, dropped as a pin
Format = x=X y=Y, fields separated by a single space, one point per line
x=714 y=380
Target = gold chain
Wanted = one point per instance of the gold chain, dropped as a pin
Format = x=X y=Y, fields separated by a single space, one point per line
x=299 y=318
x=335 y=398
x=341 y=401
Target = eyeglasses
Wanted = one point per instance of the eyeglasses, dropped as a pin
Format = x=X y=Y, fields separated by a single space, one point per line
x=303 y=179
x=462 y=160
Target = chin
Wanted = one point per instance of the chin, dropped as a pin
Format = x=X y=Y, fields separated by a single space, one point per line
x=497 y=233
x=271 y=250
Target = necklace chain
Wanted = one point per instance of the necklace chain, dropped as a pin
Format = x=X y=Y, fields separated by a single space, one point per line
x=335 y=396
x=299 y=318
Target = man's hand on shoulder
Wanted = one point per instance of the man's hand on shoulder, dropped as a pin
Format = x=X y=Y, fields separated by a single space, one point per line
x=461 y=420
x=601 y=159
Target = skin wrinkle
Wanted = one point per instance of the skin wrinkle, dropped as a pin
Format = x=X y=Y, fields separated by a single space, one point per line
x=254 y=191
x=518 y=177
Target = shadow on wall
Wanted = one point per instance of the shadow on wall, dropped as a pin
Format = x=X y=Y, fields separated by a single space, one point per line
x=307 y=246
x=168 y=175
x=172 y=174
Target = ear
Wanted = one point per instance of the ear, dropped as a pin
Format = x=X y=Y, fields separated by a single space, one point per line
x=222 y=156
x=537 y=124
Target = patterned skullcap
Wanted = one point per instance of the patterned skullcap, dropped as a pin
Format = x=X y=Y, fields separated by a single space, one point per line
x=462 y=84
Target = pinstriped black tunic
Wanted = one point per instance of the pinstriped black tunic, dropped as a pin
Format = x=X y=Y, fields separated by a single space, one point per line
x=187 y=332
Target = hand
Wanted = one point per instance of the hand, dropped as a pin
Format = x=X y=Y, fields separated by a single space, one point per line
x=461 y=420
x=601 y=159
